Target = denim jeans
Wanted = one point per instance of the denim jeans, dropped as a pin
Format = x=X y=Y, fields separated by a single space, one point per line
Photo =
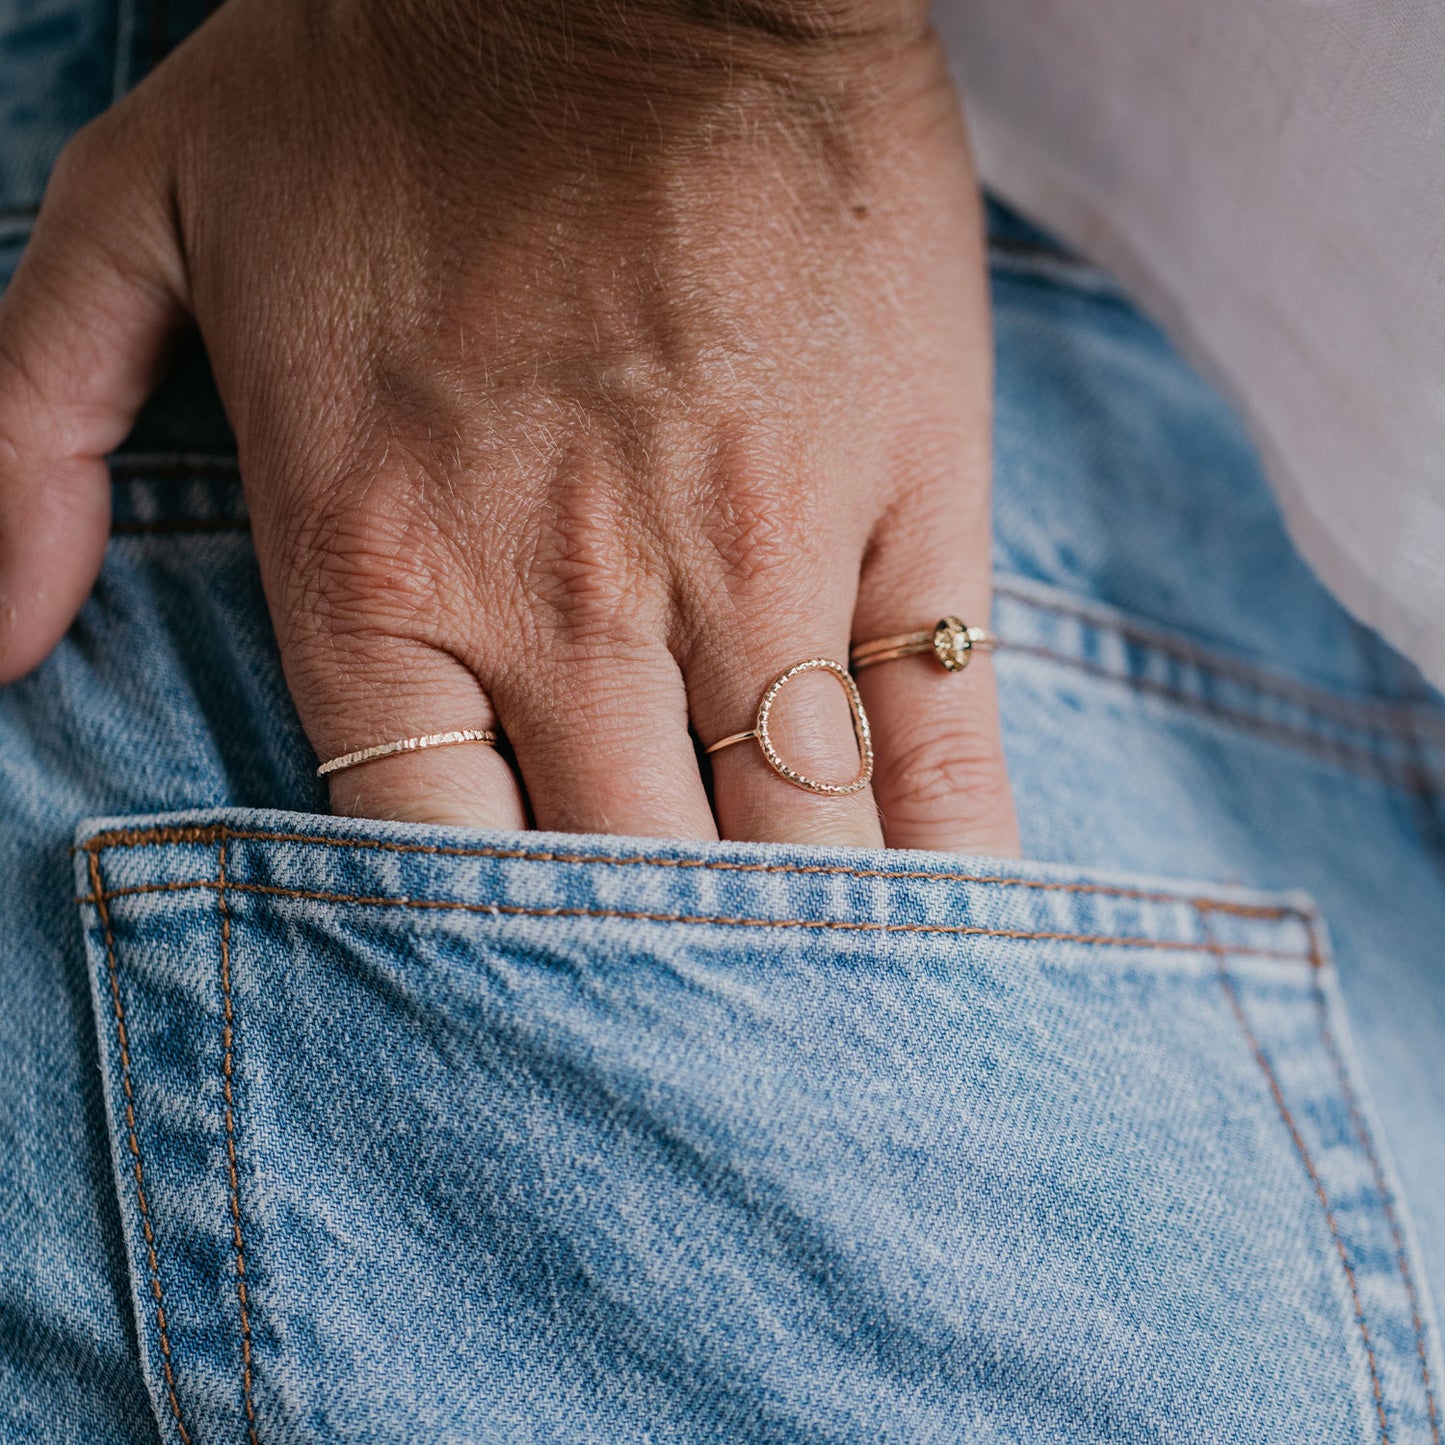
x=317 y=1129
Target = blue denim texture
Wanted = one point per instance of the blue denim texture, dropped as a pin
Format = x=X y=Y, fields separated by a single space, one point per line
x=323 y=1130
x=570 y=1139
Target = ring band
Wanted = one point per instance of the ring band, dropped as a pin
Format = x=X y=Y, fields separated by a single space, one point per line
x=408 y=745
x=951 y=641
x=862 y=731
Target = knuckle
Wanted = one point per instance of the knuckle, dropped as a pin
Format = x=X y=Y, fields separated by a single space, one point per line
x=361 y=567
x=108 y=202
x=98 y=156
x=945 y=772
x=84 y=155
x=20 y=393
x=760 y=521
x=591 y=572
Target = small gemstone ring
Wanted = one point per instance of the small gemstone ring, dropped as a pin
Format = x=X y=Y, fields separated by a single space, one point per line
x=952 y=643
x=862 y=732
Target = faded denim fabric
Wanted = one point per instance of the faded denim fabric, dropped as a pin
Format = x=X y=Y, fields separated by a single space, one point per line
x=323 y=1130
x=551 y=1138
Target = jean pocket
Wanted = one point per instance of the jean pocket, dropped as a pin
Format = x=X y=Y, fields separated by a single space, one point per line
x=423 y=1133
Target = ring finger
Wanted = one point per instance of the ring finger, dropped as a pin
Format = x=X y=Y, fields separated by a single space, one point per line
x=941 y=780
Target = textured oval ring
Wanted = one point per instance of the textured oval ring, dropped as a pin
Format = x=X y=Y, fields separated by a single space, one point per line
x=862 y=732
x=408 y=745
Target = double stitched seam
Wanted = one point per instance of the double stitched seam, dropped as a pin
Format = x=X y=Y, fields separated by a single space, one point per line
x=133 y=1144
x=227 y=1069
x=1357 y=757
x=1362 y=1133
x=1365 y=713
x=146 y=837
x=641 y=916
x=1236 y=1006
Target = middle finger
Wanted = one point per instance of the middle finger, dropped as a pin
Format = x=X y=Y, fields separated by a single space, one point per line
x=810 y=725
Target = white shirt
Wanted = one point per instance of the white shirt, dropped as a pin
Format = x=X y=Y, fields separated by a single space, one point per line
x=1268 y=177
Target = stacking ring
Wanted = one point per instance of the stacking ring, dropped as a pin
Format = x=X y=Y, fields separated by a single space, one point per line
x=952 y=643
x=759 y=730
x=408 y=745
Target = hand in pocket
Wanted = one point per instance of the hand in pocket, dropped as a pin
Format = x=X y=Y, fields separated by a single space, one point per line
x=587 y=370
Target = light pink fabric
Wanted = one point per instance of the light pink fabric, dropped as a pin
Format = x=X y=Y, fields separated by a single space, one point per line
x=1268 y=176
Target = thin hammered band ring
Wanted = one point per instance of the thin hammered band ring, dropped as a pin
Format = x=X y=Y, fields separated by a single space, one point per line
x=951 y=641
x=862 y=731
x=408 y=745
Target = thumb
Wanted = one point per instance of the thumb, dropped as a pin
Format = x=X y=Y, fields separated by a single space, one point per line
x=84 y=329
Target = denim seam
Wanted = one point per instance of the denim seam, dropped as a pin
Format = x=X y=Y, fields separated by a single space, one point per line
x=148 y=837
x=1384 y=714
x=1387 y=1202
x=448 y=905
x=1236 y=1005
x=16 y=224
x=133 y=1144
x=1368 y=761
x=227 y=1041
x=1025 y=261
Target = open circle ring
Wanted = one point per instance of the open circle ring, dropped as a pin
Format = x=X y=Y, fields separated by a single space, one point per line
x=862 y=732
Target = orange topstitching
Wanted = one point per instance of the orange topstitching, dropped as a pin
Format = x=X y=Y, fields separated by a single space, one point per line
x=1277 y=1093
x=645 y=916
x=133 y=1144
x=227 y=1050
x=1387 y=1203
x=215 y=833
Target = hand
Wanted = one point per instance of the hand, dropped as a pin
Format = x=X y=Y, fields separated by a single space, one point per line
x=587 y=366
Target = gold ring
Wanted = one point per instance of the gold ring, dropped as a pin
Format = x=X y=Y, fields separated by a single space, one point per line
x=759 y=730
x=952 y=643
x=408 y=745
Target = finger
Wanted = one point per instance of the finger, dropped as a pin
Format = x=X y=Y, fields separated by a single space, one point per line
x=601 y=738
x=940 y=780
x=810 y=724
x=368 y=617
x=397 y=689
x=84 y=329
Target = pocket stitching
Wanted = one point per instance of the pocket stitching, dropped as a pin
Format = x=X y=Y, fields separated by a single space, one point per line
x=145 y=837
x=1236 y=1005
x=100 y=897
x=1387 y=1203
x=133 y=1143
x=227 y=1040
x=1310 y=957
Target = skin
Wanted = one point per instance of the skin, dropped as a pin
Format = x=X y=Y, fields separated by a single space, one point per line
x=587 y=366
